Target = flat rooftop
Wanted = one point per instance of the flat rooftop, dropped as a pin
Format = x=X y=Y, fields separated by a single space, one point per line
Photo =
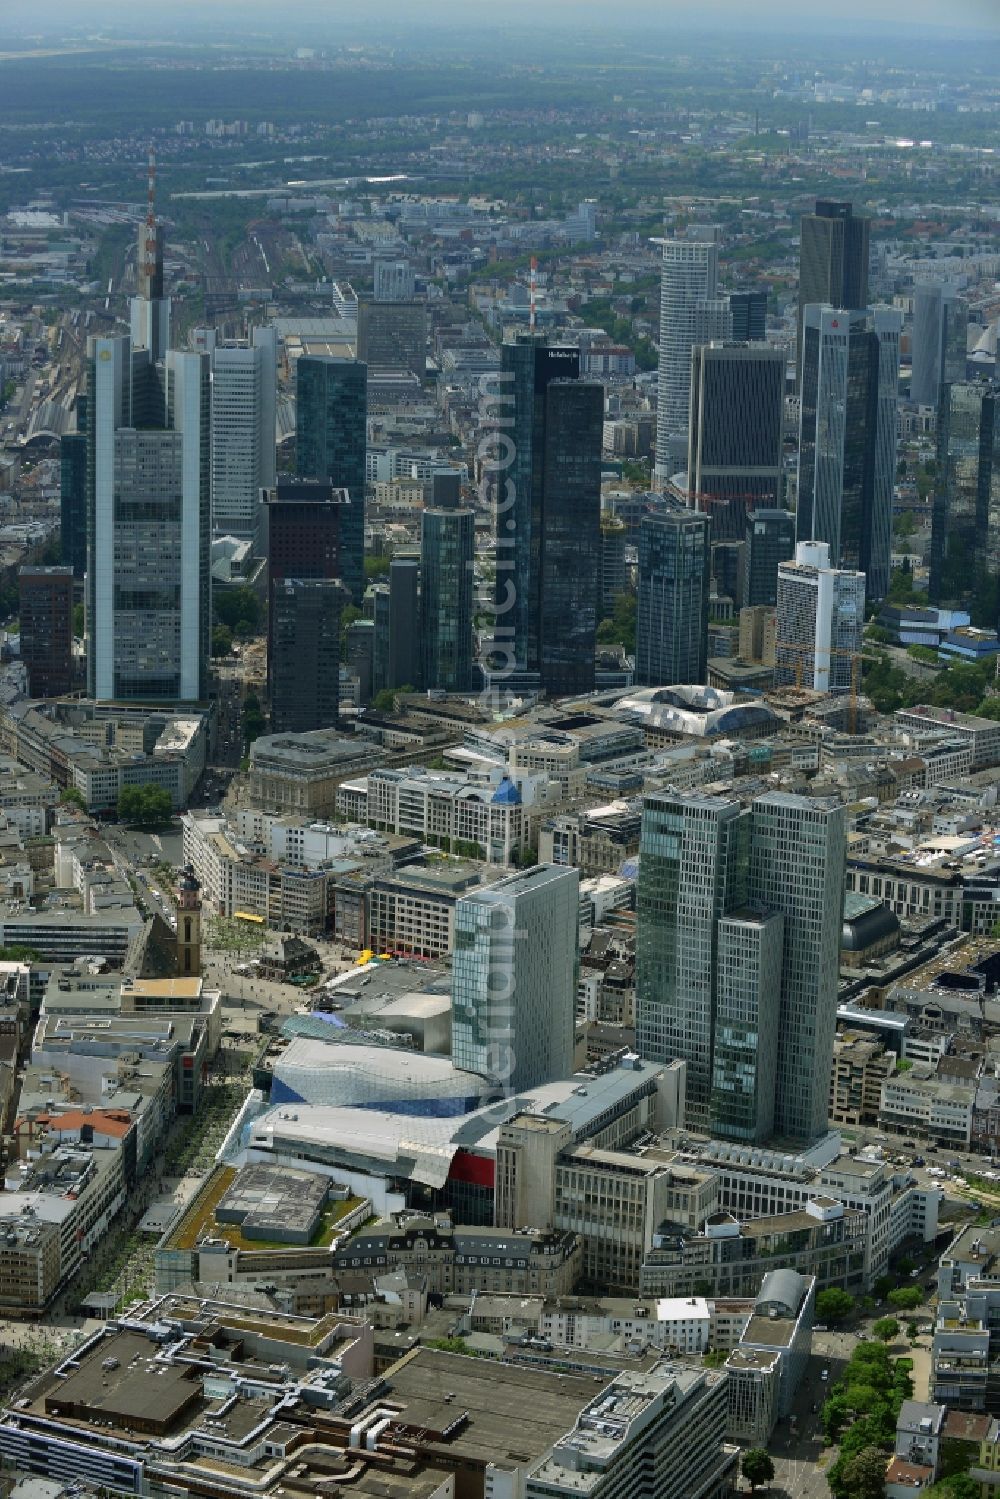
x=504 y=1414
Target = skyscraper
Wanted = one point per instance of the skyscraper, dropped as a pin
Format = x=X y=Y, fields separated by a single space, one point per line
x=244 y=390
x=739 y=919
x=797 y=858
x=361 y=656
x=304 y=665
x=691 y=312
x=548 y=508
x=148 y=528
x=747 y=1022
x=820 y=625
x=671 y=637
x=734 y=461
x=965 y=523
x=847 y=437
x=447 y=559
x=73 y=493
x=748 y=311
x=693 y=869
x=571 y=536
x=770 y=540
x=331 y=443
x=301 y=527
x=833 y=260
x=393 y=335
x=514 y=976
x=404 y=622
x=46 y=620
x=394 y=281
x=940 y=333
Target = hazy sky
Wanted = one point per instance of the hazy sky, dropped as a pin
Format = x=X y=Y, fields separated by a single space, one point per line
x=953 y=15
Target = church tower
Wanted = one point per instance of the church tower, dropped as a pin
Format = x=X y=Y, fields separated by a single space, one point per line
x=188 y=924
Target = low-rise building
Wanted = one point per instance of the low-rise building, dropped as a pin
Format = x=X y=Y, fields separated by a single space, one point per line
x=921 y=1102
x=860 y=1067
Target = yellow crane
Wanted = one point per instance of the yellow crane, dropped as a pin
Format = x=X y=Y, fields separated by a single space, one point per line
x=853 y=656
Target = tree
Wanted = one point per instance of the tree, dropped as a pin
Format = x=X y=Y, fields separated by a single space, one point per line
x=79 y=620
x=833 y=1305
x=148 y=805
x=384 y=701
x=757 y=1467
x=376 y=567
x=864 y=1474
x=233 y=604
x=886 y=1328
x=222 y=640
x=254 y=722
x=70 y=796
x=905 y=1298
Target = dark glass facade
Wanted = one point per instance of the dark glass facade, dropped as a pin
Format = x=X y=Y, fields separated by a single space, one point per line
x=447 y=551
x=735 y=435
x=571 y=536
x=965 y=524
x=331 y=415
x=671 y=643
x=749 y=314
x=305 y=658
x=303 y=526
x=404 y=622
x=833 y=259
x=46 y=612
x=527 y=368
x=770 y=540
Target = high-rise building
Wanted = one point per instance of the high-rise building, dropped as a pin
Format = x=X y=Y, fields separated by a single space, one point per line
x=571 y=536
x=393 y=335
x=548 y=515
x=46 y=619
x=394 y=281
x=73 y=493
x=820 y=624
x=734 y=461
x=748 y=311
x=739 y=916
x=148 y=523
x=797 y=859
x=965 y=523
x=404 y=622
x=361 y=657
x=379 y=600
x=447 y=559
x=671 y=638
x=691 y=312
x=770 y=540
x=614 y=563
x=331 y=443
x=304 y=665
x=514 y=975
x=847 y=437
x=693 y=869
x=834 y=250
x=940 y=341
x=300 y=531
x=747 y=1021
x=244 y=391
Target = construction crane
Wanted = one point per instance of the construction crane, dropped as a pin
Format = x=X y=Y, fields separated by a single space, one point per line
x=811 y=650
